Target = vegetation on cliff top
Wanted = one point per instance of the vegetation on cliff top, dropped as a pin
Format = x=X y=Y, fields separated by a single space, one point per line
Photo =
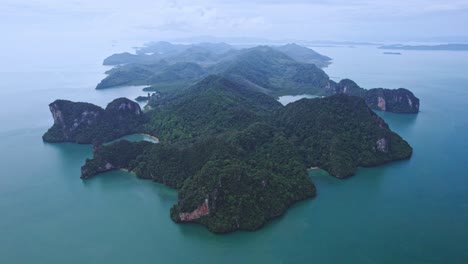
x=86 y=123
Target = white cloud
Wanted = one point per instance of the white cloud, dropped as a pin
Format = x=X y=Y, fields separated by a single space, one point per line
x=306 y=19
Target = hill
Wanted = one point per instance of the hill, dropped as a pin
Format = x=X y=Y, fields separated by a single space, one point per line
x=86 y=123
x=303 y=54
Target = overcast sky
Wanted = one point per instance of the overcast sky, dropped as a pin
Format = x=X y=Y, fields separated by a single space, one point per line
x=144 y=20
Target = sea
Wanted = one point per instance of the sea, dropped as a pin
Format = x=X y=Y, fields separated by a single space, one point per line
x=413 y=211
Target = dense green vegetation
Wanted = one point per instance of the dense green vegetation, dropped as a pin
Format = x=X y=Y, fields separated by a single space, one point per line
x=261 y=66
x=160 y=73
x=276 y=73
x=247 y=177
x=392 y=100
x=340 y=133
x=238 y=157
x=212 y=106
x=117 y=155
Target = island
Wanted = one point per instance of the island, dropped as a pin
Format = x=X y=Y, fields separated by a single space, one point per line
x=274 y=70
x=452 y=47
x=237 y=157
x=392 y=53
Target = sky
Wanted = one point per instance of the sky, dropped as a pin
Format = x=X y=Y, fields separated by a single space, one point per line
x=79 y=21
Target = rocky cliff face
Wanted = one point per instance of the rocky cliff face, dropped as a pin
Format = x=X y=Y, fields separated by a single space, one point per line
x=70 y=118
x=391 y=100
x=397 y=100
x=200 y=211
x=87 y=123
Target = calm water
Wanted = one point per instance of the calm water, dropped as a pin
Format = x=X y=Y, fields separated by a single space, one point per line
x=414 y=211
x=286 y=99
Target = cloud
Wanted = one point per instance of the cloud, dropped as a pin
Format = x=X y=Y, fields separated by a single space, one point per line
x=302 y=19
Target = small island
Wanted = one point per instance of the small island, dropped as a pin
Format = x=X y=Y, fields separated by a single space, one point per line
x=392 y=53
x=452 y=47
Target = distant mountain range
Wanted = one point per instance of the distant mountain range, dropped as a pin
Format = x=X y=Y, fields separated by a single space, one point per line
x=205 y=53
x=454 y=47
x=274 y=70
x=265 y=41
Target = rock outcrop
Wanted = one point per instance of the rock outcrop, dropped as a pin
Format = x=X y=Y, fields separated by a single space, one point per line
x=70 y=118
x=87 y=123
x=391 y=100
x=200 y=211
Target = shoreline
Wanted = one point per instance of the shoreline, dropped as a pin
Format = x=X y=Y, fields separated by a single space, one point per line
x=127 y=171
x=150 y=136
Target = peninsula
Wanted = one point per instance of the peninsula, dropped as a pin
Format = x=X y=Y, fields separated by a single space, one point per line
x=273 y=70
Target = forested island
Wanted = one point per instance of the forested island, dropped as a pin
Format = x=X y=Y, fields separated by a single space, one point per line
x=236 y=156
x=274 y=70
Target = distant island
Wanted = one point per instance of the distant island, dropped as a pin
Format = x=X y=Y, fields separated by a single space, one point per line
x=392 y=53
x=256 y=41
x=454 y=47
x=205 y=54
x=237 y=157
x=282 y=70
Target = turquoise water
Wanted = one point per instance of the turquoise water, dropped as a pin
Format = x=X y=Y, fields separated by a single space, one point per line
x=413 y=211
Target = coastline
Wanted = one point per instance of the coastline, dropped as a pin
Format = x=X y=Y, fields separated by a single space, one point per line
x=150 y=136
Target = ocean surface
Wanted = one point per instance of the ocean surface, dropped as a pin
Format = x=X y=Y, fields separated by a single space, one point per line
x=413 y=211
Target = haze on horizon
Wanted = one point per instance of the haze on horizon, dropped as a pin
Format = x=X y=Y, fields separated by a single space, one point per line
x=57 y=28
x=357 y=20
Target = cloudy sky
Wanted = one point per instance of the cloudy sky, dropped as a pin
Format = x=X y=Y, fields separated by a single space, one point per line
x=144 y=20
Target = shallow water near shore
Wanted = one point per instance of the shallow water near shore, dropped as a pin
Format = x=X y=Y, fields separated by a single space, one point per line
x=411 y=211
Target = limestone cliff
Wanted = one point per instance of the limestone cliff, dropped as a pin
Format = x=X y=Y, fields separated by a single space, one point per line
x=87 y=123
x=398 y=100
x=200 y=211
x=391 y=100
